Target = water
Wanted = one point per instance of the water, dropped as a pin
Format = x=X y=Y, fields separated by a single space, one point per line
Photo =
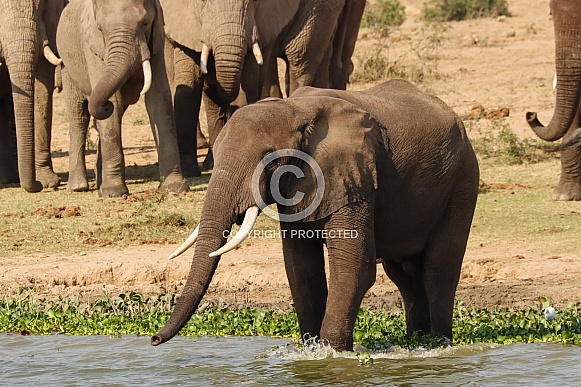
x=211 y=361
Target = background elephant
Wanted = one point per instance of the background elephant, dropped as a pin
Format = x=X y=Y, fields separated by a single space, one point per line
x=301 y=31
x=27 y=30
x=110 y=50
x=566 y=116
x=399 y=174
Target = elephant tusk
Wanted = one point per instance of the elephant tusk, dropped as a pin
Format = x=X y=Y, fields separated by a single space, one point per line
x=555 y=82
x=146 y=77
x=186 y=245
x=247 y=224
x=51 y=57
x=257 y=53
x=204 y=58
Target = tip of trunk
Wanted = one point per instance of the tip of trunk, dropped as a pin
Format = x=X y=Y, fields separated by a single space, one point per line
x=100 y=111
x=544 y=133
x=157 y=340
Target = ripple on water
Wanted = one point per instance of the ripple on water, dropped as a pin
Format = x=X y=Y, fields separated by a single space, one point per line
x=130 y=360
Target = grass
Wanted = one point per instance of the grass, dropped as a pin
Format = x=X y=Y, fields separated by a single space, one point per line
x=449 y=10
x=382 y=16
x=375 y=329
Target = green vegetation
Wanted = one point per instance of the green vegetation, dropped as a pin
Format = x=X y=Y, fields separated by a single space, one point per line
x=383 y=15
x=449 y=10
x=134 y=314
x=502 y=144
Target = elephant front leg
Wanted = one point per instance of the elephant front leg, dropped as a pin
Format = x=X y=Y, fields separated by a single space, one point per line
x=352 y=268
x=569 y=187
x=78 y=115
x=110 y=169
x=305 y=268
x=44 y=85
x=188 y=83
x=158 y=102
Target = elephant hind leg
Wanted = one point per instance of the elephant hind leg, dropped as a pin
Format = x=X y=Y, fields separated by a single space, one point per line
x=412 y=290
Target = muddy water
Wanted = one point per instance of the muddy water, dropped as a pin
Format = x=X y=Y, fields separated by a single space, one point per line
x=211 y=361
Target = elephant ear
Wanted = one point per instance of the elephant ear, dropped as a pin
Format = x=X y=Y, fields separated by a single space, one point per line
x=157 y=39
x=93 y=36
x=344 y=141
x=272 y=16
x=182 y=22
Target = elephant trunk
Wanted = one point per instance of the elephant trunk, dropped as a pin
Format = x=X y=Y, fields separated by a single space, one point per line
x=568 y=68
x=122 y=60
x=217 y=217
x=21 y=56
x=230 y=47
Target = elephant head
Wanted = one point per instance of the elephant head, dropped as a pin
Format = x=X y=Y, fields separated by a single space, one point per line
x=567 y=25
x=228 y=29
x=301 y=132
x=23 y=38
x=124 y=34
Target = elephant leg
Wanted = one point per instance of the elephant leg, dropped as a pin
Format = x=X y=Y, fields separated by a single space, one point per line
x=158 y=102
x=188 y=82
x=44 y=87
x=202 y=142
x=569 y=187
x=352 y=268
x=443 y=258
x=110 y=168
x=8 y=157
x=78 y=115
x=409 y=282
x=217 y=115
x=305 y=268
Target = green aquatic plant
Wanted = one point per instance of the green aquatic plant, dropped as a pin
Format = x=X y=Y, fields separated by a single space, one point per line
x=133 y=313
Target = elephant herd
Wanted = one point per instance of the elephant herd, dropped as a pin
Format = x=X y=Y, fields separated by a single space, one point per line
x=176 y=52
x=395 y=182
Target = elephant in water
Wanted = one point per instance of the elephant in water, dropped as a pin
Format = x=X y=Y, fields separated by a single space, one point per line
x=386 y=174
x=113 y=51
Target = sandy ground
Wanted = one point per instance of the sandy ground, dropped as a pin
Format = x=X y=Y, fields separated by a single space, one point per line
x=506 y=62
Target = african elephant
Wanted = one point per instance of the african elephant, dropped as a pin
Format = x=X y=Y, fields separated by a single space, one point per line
x=27 y=29
x=301 y=31
x=8 y=157
x=567 y=113
x=391 y=167
x=110 y=49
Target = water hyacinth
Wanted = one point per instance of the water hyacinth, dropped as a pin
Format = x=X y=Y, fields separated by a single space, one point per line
x=375 y=329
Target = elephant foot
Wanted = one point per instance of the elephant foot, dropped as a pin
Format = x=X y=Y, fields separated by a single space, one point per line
x=568 y=190
x=48 y=178
x=190 y=167
x=173 y=184
x=77 y=183
x=208 y=163
x=113 y=192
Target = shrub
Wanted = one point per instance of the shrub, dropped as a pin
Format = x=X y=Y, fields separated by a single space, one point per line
x=448 y=10
x=383 y=15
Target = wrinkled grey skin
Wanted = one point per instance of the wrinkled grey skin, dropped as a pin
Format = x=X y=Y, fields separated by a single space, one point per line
x=300 y=30
x=26 y=26
x=567 y=114
x=398 y=170
x=103 y=44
